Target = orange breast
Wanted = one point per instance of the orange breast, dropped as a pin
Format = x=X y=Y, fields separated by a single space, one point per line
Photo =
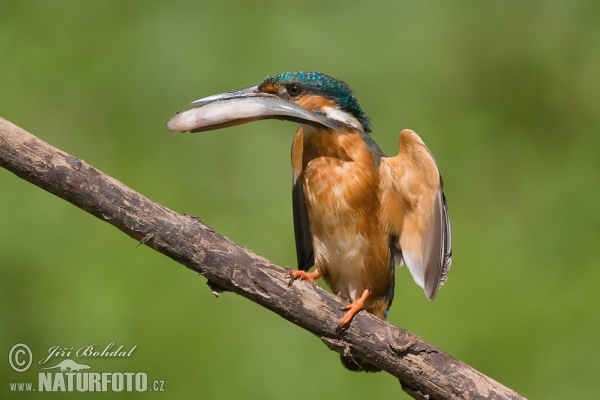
x=341 y=191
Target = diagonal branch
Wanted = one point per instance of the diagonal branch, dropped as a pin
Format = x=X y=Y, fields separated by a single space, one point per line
x=423 y=370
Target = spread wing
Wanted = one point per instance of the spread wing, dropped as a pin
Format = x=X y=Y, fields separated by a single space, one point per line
x=304 y=247
x=415 y=212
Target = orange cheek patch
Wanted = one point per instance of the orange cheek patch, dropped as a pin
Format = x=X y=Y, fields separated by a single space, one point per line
x=269 y=88
x=314 y=103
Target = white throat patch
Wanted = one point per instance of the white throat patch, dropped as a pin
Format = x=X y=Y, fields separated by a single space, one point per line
x=342 y=116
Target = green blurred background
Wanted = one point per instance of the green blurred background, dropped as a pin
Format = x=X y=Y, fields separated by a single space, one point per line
x=505 y=94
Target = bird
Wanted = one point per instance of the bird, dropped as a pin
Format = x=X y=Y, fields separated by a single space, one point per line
x=357 y=213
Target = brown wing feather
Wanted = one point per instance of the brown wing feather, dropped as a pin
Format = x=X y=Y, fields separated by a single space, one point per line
x=415 y=212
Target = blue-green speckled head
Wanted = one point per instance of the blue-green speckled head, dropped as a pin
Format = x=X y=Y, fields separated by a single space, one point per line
x=320 y=84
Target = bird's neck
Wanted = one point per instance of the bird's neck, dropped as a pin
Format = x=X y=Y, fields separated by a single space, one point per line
x=348 y=145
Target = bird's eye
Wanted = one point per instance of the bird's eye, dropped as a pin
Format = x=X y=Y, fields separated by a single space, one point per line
x=294 y=89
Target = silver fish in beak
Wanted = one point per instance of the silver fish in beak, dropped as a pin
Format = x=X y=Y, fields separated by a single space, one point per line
x=242 y=106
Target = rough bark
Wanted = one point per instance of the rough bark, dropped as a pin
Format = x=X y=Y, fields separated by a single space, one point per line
x=423 y=370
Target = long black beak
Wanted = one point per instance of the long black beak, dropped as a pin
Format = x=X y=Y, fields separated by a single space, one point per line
x=242 y=106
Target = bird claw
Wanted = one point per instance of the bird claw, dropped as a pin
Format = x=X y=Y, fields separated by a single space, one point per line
x=342 y=327
x=345 y=322
x=302 y=275
x=352 y=309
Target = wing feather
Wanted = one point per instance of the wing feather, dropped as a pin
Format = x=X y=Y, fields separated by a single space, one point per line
x=304 y=246
x=415 y=212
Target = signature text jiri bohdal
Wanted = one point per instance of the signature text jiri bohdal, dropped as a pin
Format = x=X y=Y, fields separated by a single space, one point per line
x=92 y=350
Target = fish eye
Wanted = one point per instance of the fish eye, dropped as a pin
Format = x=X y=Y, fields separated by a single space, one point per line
x=294 y=89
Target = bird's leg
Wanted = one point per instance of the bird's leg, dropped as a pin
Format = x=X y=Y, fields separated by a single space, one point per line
x=353 y=308
x=302 y=275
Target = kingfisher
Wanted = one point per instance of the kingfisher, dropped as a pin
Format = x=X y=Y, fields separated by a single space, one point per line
x=356 y=212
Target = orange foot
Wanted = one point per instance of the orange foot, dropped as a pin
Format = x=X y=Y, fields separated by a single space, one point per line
x=302 y=275
x=353 y=308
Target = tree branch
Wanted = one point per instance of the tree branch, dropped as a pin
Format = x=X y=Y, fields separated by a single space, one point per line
x=423 y=370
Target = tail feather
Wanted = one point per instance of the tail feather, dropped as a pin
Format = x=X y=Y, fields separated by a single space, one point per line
x=358 y=365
